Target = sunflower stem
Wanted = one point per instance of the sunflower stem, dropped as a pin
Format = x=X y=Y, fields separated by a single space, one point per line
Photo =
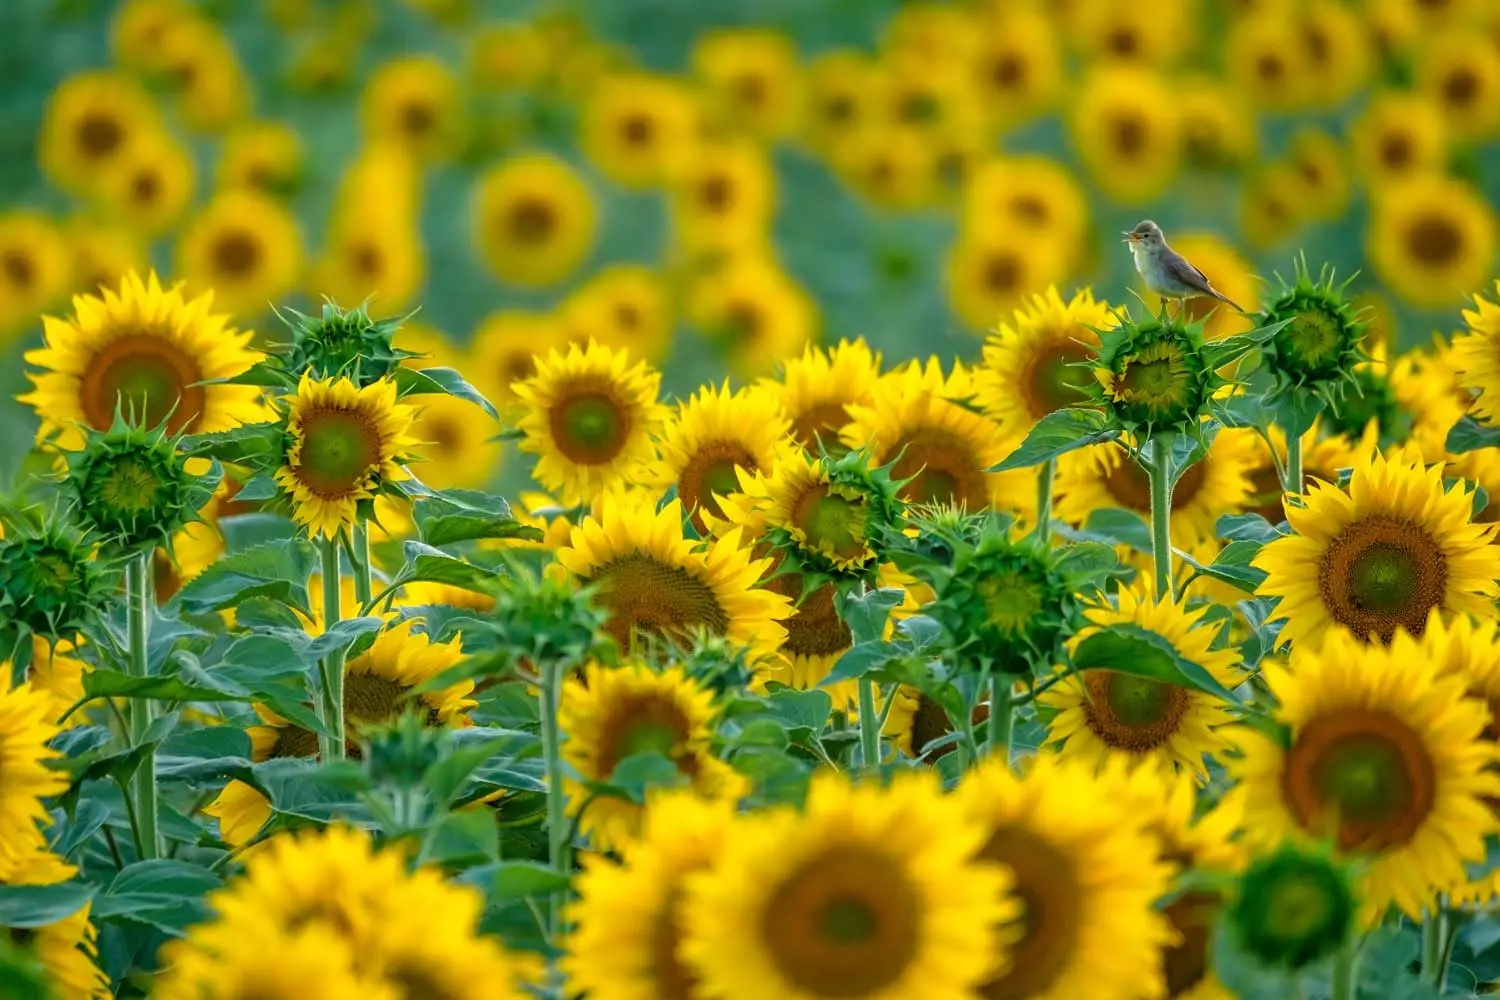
x=1346 y=971
x=141 y=710
x=332 y=743
x=557 y=818
x=1046 y=473
x=1160 y=473
x=360 y=559
x=1002 y=715
x=1293 y=482
x=1435 y=946
x=869 y=725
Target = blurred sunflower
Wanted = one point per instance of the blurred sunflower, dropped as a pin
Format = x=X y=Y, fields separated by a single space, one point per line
x=755 y=312
x=1018 y=71
x=1104 y=31
x=245 y=247
x=1459 y=72
x=867 y=891
x=413 y=101
x=26 y=727
x=931 y=34
x=56 y=670
x=35 y=268
x=724 y=200
x=66 y=948
x=534 y=220
x=1476 y=356
x=1319 y=163
x=1088 y=873
x=1399 y=135
x=816 y=390
x=1269 y=210
x=91 y=120
x=654 y=581
x=311 y=960
x=842 y=95
x=370 y=255
x=1431 y=239
x=893 y=166
x=102 y=255
x=507 y=55
x=714 y=435
x=1336 y=51
x=753 y=79
x=150 y=185
x=457 y=443
x=1323 y=458
x=624 y=306
x=1266 y=59
x=1230 y=273
x=1384 y=755
x=639 y=129
x=932 y=98
x=589 y=416
x=504 y=350
x=263 y=156
x=136 y=31
x=1382 y=555
x=1126 y=129
x=200 y=67
x=1218 y=128
x=1103 y=715
x=1030 y=196
x=613 y=713
x=144 y=347
x=989 y=275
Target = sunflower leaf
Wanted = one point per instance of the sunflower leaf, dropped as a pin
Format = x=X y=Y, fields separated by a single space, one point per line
x=1231 y=565
x=1246 y=527
x=1219 y=353
x=859 y=660
x=276 y=570
x=1128 y=648
x=866 y=613
x=1470 y=435
x=445 y=381
x=427 y=564
x=24 y=906
x=1058 y=433
x=519 y=879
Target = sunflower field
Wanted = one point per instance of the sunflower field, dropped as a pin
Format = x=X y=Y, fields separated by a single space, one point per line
x=695 y=500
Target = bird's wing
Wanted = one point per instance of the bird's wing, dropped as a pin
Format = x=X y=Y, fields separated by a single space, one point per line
x=1181 y=269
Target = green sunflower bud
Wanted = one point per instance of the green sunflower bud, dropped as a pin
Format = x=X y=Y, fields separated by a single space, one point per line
x=1153 y=375
x=50 y=582
x=1319 y=346
x=344 y=342
x=131 y=488
x=832 y=517
x=1293 y=907
x=1369 y=398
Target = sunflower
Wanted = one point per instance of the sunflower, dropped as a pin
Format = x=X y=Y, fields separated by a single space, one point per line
x=1269 y=209
x=1399 y=135
x=35 y=268
x=613 y=713
x=867 y=892
x=832 y=511
x=627 y=919
x=26 y=727
x=245 y=247
x=989 y=275
x=1087 y=873
x=314 y=960
x=414 y=102
x=724 y=199
x=1125 y=134
x=66 y=949
x=56 y=670
x=374 y=255
x=752 y=78
x=457 y=442
x=816 y=389
x=193 y=549
x=1105 y=31
x=1218 y=128
x=893 y=166
x=1230 y=273
x=1102 y=714
x=102 y=255
x=343 y=445
x=941 y=451
x=755 y=311
x=1382 y=555
x=1318 y=162
x=381 y=186
x=933 y=98
x=1028 y=195
x=624 y=306
x=840 y=94
x=652 y=580
x=1459 y=72
x=1385 y=757
x=534 y=220
x=589 y=415
x=639 y=129
x=145 y=348
x=1018 y=69
x=200 y=67
x=1104 y=475
x=1267 y=60
x=91 y=120
x=504 y=349
x=136 y=31
x=508 y=55
x=1431 y=239
x=1476 y=356
x=1324 y=457
x=263 y=156
x=150 y=185
x=1336 y=50
x=1036 y=363
x=710 y=438
x=930 y=33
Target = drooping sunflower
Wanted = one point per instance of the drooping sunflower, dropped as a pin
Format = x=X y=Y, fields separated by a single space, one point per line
x=868 y=892
x=1018 y=70
x=753 y=79
x=67 y=948
x=1385 y=757
x=1087 y=872
x=1125 y=133
x=654 y=581
x=35 y=268
x=91 y=119
x=589 y=416
x=755 y=311
x=1033 y=364
x=26 y=727
x=1431 y=239
x=1104 y=475
x=712 y=435
x=724 y=200
x=816 y=389
x=1476 y=356
x=1382 y=555
x=639 y=129
x=414 y=101
x=245 y=247
x=990 y=274
x=457 y=442
x=145 y=348
x=343 y=445
x=1459 y=71
x=1399 y=135
x=263 y=156
x=624 y=306
x=534 y=220
x=504 y=349
x=1102 y=714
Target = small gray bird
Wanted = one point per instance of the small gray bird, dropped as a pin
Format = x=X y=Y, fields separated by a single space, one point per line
x=1167 y=272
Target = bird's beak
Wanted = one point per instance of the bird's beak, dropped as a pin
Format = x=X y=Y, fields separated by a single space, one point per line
x=1129 y=237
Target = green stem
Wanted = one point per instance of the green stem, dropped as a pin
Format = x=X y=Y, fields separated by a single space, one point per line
x=557 y=817
x=1045 y=475
x=141 y=710
x=869 y=725
x=1293 y=482
x=1160 y=473
x=1435 y=947
x=332 y=715
x=1346 y=971
x=360 y=558
x=1002 y=715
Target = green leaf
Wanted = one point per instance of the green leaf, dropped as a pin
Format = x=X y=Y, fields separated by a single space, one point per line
x=1058 y=433
x=246 y=531
x=102 y=683
x=423 y=562
x=275 y=570
x=519 y=879
x=1123 y=527
x=23 y=906
x=465 y=838
x=866 y=613
x=446 y=381
x=860 y=660
x=256 y=445
x=1232 y=565
x=1297 y=411
x=639 y=773
x=164 y=894
x=802 y=708
x=1130 y=649
x=445 y=529
x=1219 y=353
x=762 y=732
x=920 y=631
x=1246 y=527
x=1471 y=435
x=446 y=778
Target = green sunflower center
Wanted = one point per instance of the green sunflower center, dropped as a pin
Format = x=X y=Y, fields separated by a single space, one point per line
x=589 y=428
x=1382 y=577
x=821 y=422
x=1383 y=573
x=710 y=471
x=145 y=377
x=1155 y=384
x=1132 y=713
x=131 y=486
x=1055 y=379
x=1313 y=341
x=1293 y=908
x=339 y=449
x=1298 y=906
x=648 y=736
x=643 y=723
x=848 y=921
x=1365 y=777
x=1011 y=602
x=939 y=467
x=1138 y=701
x=833 y=522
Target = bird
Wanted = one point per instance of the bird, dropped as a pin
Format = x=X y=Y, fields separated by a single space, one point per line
x=1167 y=272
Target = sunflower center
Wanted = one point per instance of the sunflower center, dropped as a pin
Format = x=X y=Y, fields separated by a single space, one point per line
x=1011 y=602
x=531 y=220
x=1155 y=382
x=820 y=422
x=1054 y=379
x=144 y=375
x=1130 y=485
x=367 y=260
x=369 y=699
x=838 y=109
x=589 y=427
x=648 y=596
x=445 y=437
x=710 y=471
x=1048 y=885
x=237 y=253
x=18 y=269
x=1434 y=241
x=294 y=741
x=1270 y=68
x=939 y=468
x=1312 y=340
x=716 y=192
x=673 y=980
x=1364 y=770
x=1192 y=915
x=145 y=187
x=930 y=722
x=1030 y=208
x=415 y=983
x=339 y=448
x=1007 y=71
x=1122 y=41
x=99 y=135
x=417 y=119
x=1382 y=573
x=1002 y=271
x=1130 y=136
x=920 y=107
x=844 y=923
x=642 y=724
x=1132 y=713
x=130 y=487
x=1298 y=907
x=833 y=523
x=1461 y=87
x=637 y=130
x=816 y=630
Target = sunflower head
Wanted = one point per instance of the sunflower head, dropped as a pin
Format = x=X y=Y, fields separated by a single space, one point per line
x=343 y=343
x=1152 y=374
x=1370 y=400
x=1320 y=344
x=550 y=618
x=833 y=515
x=50 y=581
x=131 y=487
x=1294 y=906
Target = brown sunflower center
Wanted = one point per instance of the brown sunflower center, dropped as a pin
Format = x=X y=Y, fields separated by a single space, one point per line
x=832 y=522
x=1030 y=208
x=627 y=316
x=644 y=723
x=145 y=375
x=1047 y=883
x=517 y=366
x=1271 y=68
x=939 y=468
x=99 y=134
x=1007 y=71
x=444 y=435
x=716 y=192
x=294 y=741
x=1192 y=916
x=1434 y=241
x=1382 y=573
x=1364 y=770
x=1054 y=378
x=368 y=261
x=339 y=449
x=417 y=118
x=645 y=595
x=820 y=421
x=19 y=269
x=838 y=109
x=1130 y=135
x=145 y=186
x=637 y=130
x=589 y=427
x=412 y=982
x=531 y=220
x=1132 y=713
x=751 y=89
x=1397 y=151
x=710 y=471
x=1002 y=271
x=816 y=629
x=844 y=923
x=1461 y=87
x=236 y=254
x=1130 y=485
x=1122 y=41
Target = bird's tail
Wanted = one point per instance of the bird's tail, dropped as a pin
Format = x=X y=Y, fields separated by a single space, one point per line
x=1228 y=302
